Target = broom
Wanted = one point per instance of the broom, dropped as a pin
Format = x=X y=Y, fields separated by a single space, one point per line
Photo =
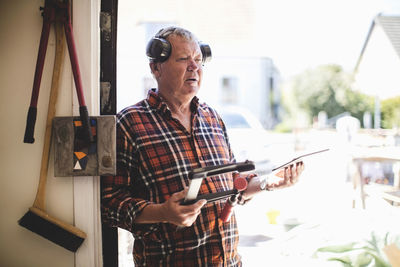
x=36 y=219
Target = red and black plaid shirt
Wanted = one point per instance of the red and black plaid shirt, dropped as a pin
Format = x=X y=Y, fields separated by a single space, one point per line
x=155 y=154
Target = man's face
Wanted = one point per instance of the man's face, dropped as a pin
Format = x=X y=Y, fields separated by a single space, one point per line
x=181 y=74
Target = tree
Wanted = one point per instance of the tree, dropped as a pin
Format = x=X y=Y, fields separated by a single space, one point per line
x=390 y=111
x=328 y=88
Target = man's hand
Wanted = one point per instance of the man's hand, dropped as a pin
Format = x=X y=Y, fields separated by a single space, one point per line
x=181 y=215
x=287 y=176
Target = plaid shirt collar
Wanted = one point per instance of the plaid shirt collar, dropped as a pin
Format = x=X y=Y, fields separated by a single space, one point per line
x=158 y=103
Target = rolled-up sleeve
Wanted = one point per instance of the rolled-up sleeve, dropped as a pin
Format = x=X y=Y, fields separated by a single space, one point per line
x=119 y=205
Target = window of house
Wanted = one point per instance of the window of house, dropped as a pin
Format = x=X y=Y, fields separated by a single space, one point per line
x=229 y=90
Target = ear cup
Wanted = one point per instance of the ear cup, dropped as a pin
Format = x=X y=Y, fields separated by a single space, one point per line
x=206 y=52
x=158 y=49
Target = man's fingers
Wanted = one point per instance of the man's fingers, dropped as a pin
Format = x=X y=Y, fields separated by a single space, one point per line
x=296 y=171
x=200 y=203
x=287 y=176
x=194 y=208
x=293 y=173
x=300 y=167
x=288 y=173
x=178 y=196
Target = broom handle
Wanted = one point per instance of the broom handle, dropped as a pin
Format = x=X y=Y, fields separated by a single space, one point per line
x=58 y=62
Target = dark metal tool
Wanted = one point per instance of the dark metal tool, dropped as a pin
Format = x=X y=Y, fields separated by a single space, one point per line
x=196 y=177
x=56 y=10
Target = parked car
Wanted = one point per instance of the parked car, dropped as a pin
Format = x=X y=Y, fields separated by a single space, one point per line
x=250 y=141
x=248 y=138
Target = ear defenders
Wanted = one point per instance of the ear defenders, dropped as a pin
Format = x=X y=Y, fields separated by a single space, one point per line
x=159 y=49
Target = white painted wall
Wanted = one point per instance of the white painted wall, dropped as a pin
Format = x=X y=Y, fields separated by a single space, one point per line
x=378 y=72
x=252 y=74
x=20 y=27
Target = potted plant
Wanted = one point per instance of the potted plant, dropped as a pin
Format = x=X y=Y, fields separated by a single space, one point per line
x=361 y=254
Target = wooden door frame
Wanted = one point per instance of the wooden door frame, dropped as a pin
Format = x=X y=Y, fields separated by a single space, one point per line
x=108 y=103
x=86 y=189
x=98 y=72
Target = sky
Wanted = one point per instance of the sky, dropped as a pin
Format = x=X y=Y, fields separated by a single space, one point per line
x=303 y=34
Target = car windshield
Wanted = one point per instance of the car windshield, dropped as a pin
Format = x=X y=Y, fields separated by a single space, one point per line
x=235 y=121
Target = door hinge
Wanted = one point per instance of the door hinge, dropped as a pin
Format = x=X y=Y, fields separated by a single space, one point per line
x=105 y=25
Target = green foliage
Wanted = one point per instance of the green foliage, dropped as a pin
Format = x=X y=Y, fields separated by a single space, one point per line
x=339 y=248
x=328 y=88
x=283 y=127
x=361 y=254
x=293 y=116
x=390 y=112
x=357 y=104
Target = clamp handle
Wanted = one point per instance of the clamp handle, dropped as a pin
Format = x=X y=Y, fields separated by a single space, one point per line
x=48 y=17
x=52 y=11
x=220 y=169
x=196 y=177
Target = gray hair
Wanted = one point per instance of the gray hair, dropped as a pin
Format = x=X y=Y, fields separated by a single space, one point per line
x=174 y=30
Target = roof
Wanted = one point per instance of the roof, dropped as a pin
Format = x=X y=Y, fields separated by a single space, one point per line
x=391 y=27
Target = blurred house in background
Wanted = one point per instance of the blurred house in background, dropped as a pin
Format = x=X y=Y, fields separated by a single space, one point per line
x=249 y=82
x=378 y=66
x=240 y=73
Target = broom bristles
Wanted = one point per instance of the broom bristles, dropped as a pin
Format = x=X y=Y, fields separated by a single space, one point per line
x=52 y=229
